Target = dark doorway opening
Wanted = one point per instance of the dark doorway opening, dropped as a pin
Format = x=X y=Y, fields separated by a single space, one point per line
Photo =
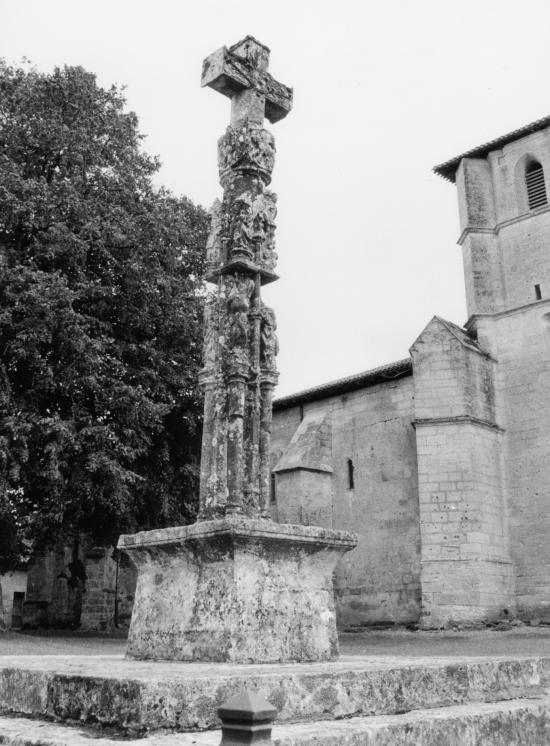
x=17 y=610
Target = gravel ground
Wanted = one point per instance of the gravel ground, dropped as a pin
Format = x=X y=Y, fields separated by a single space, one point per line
x=517 y=641
x=60 y=642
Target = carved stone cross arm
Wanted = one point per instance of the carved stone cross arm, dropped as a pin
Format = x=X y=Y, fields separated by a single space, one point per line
x=240 y=73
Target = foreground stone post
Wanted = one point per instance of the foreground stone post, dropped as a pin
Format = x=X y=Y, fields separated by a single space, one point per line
x=235 y=586
x=246 y=719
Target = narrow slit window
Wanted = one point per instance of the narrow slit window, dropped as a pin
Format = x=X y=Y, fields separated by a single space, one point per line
x=351 y=469
x=273 y=491
x=536 y=188
x=538 y=294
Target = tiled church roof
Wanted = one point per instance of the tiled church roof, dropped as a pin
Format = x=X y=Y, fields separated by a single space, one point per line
x=448 y=169
x=383 y=374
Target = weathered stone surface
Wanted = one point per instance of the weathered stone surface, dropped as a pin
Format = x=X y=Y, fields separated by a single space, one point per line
x=379 y=581
x=497 y=724
x=241 y=345
x=467 y=572
x=140 y=696
x=241 y=71
x=235 y=586
x=236 y=590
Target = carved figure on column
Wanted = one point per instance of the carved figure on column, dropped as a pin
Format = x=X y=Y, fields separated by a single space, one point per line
x=210 y=340
x=213 y=243
x=238 y=291
x=239 y=218
x=269 y=344
x=264 y=210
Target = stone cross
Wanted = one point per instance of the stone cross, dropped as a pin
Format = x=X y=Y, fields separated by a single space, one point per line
x=234 y=586
x=240 y=73
x=240 y=346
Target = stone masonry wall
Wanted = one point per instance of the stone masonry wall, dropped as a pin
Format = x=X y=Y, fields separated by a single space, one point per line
x=466 y=567
x=504 y=243
x=304 y=474
x=379 y=580
x=526 y=259
x=506 y=256
x=521 y=340
x=110 y=587
x=92 y=597
x=53 y=600
x=507 y=173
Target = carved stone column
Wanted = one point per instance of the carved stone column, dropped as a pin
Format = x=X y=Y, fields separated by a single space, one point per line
x=235 y=586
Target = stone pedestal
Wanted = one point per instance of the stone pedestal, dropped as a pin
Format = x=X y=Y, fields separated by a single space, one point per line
x=235 y=589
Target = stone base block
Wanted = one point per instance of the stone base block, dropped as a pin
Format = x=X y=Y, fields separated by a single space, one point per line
x=235 y=589
x=136 y=697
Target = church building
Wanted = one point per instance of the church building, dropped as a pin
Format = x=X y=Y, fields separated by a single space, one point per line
x=441 y=462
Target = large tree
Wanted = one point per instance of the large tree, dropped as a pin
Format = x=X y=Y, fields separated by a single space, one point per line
x=100 y=317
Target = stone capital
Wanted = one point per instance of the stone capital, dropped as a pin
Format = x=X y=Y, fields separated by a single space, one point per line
x=237 y=372
x=268 y=378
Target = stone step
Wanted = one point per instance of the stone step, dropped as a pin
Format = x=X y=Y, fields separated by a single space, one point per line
x=514 y=722
x=138 y=697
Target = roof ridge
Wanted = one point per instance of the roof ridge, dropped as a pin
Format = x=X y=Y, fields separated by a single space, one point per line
x=447 y=169
x=368 y=377
x=464 y=337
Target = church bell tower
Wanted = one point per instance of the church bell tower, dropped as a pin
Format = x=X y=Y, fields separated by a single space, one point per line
x=504 y=206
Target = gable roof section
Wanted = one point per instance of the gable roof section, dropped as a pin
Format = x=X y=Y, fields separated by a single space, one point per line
x=460 y=334
x=448 y=169
x=383 y=374
x=310 y=447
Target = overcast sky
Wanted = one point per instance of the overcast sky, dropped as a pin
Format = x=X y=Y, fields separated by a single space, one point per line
x=383 y=91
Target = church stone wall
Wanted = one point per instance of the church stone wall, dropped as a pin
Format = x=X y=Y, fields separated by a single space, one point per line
x=476 y=205
x=304 y=474
x=379 y=580
x=507 y=171
x=504 y=243
x=505 y=258
x=482 y=270
x=521 y=340
x=466 y=570
x=466 y=567
x=526 y=259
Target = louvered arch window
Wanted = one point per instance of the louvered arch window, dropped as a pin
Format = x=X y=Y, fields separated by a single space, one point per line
x=536 y=189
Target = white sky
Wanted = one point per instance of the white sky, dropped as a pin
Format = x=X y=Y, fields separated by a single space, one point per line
x=383 y=91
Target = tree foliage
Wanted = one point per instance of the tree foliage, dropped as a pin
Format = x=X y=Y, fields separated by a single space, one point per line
x=100 y=317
